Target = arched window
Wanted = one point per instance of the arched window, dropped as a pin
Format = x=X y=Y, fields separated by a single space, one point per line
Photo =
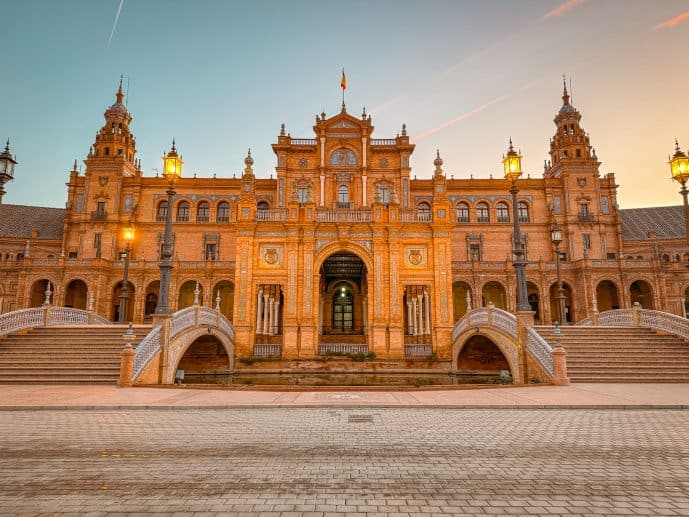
x=183 y=212
x=202 y=212
x=482 y=213
x=262 y=205
x=424 y=212
x=462 y=213
x=223 y=213
x=161 y=213
x=523 y=210
x=503 y=212
x=343 y=196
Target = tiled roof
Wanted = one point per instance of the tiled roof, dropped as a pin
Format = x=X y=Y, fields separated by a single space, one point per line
x=666 y=221
x=18 y=221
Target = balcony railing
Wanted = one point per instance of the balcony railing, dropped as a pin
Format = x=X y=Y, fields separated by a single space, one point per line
x=264 y=350
x=585 y=218
x=349 y=216
x=278 y=214
x=342 y=330
x=383 y=141
x=416 y=216
x=98 y=215
x=341 y=349
x=303 y=141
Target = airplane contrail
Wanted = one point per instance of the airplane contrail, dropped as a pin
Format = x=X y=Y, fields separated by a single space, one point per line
x=474 y=111
x=117 y=18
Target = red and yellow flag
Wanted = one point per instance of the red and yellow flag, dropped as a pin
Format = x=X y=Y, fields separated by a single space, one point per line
x=343 y=83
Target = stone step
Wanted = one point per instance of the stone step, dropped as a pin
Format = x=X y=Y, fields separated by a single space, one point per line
x=628 y=379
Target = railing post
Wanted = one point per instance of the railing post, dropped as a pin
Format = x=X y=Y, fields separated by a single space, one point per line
x=636 y=316
x=559 y=361
x=47 y=310
x=594 y=317
x=127 y=360
x=490 y=308
x=89 y=309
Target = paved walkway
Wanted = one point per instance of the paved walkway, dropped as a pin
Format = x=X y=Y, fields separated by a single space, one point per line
x=319 y=462
x=582 y=396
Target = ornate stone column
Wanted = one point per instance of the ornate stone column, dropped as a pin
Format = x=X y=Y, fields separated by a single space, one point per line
x=265 y=313
x=276 y=317
x=410 y=321
x=259 y=312
x=427 y=311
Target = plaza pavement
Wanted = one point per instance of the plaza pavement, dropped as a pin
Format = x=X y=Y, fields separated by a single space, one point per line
x=576 y=396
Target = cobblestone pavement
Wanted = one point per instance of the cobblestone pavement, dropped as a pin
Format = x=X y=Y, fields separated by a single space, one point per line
x=364 y=461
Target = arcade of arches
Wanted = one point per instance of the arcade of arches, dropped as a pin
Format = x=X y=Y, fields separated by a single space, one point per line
x=343 y=300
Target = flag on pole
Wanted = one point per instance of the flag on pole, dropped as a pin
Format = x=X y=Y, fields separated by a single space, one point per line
x=343 y=83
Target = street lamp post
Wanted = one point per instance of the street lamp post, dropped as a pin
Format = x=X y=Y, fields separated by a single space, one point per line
x=128 y=236
x=172 y=169
x=679 y=168
x=512 y=163
x=7 y=163
x=556 y=238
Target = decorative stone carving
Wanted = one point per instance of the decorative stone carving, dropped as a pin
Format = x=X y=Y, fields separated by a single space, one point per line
x=343 y=157
x=416 y=256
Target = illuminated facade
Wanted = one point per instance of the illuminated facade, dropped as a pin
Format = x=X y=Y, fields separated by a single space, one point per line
x=343 y=250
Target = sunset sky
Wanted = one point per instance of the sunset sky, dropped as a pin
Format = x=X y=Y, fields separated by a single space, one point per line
x=222 y=76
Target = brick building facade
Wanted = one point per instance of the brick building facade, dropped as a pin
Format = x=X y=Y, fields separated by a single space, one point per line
x=343 y=246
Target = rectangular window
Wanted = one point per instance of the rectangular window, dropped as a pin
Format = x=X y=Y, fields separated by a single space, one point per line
x=303 y=195
x=611 y=256
x=557 y=204
x=211 y=251
x=475 y=252
x=97 y=239
x=605 y=204
x=584 y=209
x=587 y=241
x=72 y=254
x=100 y=210
x=384 y=195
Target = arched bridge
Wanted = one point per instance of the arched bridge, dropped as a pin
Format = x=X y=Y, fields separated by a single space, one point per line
x=160 y=352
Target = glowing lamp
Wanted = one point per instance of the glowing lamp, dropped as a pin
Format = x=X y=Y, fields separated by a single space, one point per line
x=172 y=164
x=512 y=162
x=679 y=165
x=128 y=234
x=556 y=235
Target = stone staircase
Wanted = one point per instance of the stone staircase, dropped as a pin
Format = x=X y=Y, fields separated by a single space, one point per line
x=65 y=355
x=621 y=354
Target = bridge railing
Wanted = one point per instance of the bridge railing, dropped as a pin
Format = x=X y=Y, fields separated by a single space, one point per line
x=541 y=350
x=47 y=316
x=638 y=317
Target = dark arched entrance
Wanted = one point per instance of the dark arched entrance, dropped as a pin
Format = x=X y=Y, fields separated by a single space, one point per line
x=459 y=299
x=225 y=290
x=480 y=355
x=494 y=292
x=554 y=307
x=187 y=294
x=606 y=296
x=205 y=362
x=343 y=301
x=640 y=291
x=534 y=300
x=117 y=291
x=38 y=290
x=151 y=299
x=76 y=294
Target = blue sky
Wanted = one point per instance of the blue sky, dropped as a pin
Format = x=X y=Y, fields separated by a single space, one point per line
x=222 y=76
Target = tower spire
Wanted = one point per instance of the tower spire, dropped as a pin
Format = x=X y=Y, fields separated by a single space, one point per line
x=120 y=93
x=565 y=93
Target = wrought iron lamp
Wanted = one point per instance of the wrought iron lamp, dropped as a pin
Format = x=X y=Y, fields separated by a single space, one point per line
x=556 y=238
x=128 y=236
x=512 y=163
x=172 y=169
x=7 y=163
x=679 y=168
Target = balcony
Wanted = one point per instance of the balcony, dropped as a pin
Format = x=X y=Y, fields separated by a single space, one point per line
x=99 y=215
x=278 y=214
x=303 y=141
x=384 y=142
x=347 y=216
x=585 y=217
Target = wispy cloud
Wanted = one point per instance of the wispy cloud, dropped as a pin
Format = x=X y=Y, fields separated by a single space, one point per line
x=475 y=111
x=117 y=18
x=561 y=9
x=673 y=21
